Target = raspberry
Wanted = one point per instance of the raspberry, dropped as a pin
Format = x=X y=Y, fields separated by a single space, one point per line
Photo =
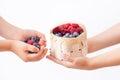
x=72 y=30
x=79 y=30
x=57 y=29
x=74 y=25
x=30 y=42
x=63 y=31
x=66 y=26
x=66 y=35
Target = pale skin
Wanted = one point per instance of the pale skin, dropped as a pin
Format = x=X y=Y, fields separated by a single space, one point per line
x=13 y=42
x=105 y=39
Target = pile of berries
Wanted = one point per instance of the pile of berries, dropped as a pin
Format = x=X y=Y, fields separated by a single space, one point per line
x=33 y=41
x=68 y=30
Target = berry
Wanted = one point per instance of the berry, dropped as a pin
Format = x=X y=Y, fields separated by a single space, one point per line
x=63 y=31
x=56 y=29
x=30 y=42
x=75 y=34
x=70 y=36
x=74 y=25
x=66 y=26
x=37 y=39
x=36 y=44
x=72 y=28
x=66 y=35
x=33 y=38
x=58 y=34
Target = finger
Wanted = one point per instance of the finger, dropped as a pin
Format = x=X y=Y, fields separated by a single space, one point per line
x=31 y=48
x=63 y=63
x=42 y=36
x=51 y=53
x=67 y=64
x=43 y=54
x=42 y=43
x=68 y=58
x=50 y=57
x=34 y=57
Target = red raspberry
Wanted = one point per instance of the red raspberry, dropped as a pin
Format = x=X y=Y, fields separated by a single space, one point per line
x=61 y=28
x=63 y=31
x=72 y=30
x=69 y=28
x=31 y=42
x=74 y=25
x=57 y=29
x=66 y=26
x=79 y=30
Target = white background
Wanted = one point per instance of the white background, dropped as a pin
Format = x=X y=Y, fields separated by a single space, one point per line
x=41 y=15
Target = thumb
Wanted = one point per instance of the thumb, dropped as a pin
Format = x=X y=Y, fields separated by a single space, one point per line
x=32 y=48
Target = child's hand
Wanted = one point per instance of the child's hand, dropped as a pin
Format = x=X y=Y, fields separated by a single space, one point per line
x=22 y=50
x=69 y=62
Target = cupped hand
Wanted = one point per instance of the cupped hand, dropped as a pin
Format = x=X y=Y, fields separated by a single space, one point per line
x=22 y=50
x=72 y=62
x=24 y=34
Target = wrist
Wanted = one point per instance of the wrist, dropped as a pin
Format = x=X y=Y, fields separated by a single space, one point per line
x=9 y=45
x=5 y=45
x=95 y=63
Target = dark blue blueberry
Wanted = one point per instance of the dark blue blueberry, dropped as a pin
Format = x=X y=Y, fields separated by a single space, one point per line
x=55 y=32
x=33 y=38
x=75 y=34
x=66 y=35
x=36 y=45
x=71 y=36
x=58 y=34
x=37 y=39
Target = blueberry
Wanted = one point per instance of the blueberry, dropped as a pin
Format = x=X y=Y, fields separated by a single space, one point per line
x=58 y=34
x=66 y=35
x=37 y=39
x=29 y=38
x=33 y=41
x=75 y=34
x=33 y=38
x=55 y=32
x=36 y=45
x=70 y=36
